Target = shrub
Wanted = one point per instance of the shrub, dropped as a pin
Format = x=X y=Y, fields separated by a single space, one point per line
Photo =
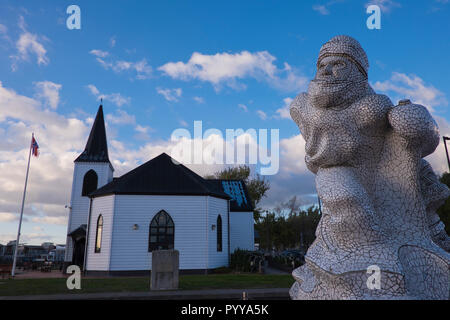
x=246 y=261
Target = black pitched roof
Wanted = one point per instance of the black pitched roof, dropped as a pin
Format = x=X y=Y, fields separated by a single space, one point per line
x=79 y=232
x=160 y=176
x=237 y=190
x=96 y=147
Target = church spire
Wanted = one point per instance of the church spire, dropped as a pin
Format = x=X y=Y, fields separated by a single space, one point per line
x=96 y=147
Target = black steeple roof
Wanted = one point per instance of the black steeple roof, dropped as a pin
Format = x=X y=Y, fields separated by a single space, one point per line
x=96 y=147
x=161 y=176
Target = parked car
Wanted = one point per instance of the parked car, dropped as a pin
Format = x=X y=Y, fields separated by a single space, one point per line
x=294 y=254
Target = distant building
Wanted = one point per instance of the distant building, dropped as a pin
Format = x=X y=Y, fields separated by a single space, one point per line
x=10 y=248
x=116 y=223
x=29 y=253
x=48 y=246
x=57 y=254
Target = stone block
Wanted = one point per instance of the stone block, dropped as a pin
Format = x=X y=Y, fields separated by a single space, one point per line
x=165 y=270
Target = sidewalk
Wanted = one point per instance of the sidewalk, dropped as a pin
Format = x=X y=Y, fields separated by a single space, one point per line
x=215 y=294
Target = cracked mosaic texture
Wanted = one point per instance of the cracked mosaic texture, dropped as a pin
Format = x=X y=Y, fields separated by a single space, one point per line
x=379 y=195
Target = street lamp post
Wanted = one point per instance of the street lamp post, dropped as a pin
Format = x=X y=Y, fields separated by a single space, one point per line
x=446 y=150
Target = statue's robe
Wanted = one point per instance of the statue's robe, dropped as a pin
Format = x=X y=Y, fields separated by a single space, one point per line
x=400 y=207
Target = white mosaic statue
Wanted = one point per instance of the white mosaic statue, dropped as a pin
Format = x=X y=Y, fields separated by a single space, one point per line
x=379 y=196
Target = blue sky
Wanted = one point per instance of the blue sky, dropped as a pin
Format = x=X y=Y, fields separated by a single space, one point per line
x=161 y=65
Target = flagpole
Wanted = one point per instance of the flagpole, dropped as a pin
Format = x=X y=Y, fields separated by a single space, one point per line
x=21 y=211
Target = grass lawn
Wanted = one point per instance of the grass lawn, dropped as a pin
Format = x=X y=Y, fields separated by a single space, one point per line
x=20 y=287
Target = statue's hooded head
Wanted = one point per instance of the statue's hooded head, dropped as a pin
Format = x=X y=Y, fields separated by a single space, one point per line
x=341 y=77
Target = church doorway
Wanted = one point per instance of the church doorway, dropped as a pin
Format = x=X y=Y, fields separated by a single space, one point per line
x=78 y=252
x=79 y=243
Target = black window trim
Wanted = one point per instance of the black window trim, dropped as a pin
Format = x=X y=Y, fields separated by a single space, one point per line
x=97 y=248
x=219 y=234
x=159 y=245
x=86 y=189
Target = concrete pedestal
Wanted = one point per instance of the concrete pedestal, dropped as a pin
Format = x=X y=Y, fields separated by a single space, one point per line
x=165 y=270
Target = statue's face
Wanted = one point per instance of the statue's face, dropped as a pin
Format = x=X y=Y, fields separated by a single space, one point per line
x=337 y=83
x=333 y=69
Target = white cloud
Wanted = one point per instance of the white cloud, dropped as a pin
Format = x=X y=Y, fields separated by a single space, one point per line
x=115 y=98
x=142 y=132
x=122 y=117
x=284 y=112
x=142 y=69
x=385 y=5
x=142 y=129
x=93 y=89
x=51 y=220
x=3 y=29
x=243 y=107
x=22 y=24
x=29 y=44
x=199 y=99
x=38 y=228
x=226 y=68
x=8 y=217
x=60 y=139
x=261 y=114
x=323 y=10
x=414 y=88
x=171 y=95
x=99 y=53
x=293 y=154
x=4 y=33
x=112 y=42
x=49 y=92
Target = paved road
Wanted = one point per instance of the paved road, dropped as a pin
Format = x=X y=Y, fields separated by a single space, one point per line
x=216 y=294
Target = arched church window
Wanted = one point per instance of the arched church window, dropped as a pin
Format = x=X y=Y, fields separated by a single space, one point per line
x=162 y=232
x=219 y=233
x=89 y=183
x=98 y=235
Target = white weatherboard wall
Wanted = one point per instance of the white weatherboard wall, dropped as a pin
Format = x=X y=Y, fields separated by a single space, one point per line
x=80 y=205
x=130 y=247
x=242 y=231
x=100 y=261
x=217 y=206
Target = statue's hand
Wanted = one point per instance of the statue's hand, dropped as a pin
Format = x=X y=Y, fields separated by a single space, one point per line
x=414 y=123
x=297 y=107
x=310 y=166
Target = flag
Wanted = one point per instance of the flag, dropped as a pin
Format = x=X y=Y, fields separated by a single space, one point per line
x=34 y=147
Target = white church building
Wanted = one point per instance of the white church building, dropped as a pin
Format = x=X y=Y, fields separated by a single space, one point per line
x=116 y=223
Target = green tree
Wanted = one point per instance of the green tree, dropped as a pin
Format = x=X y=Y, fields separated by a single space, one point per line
x=257 y=186
x=288 y=226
